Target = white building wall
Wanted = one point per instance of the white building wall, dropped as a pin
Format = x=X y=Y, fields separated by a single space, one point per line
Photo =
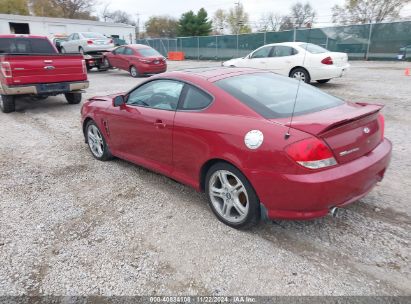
x=48 y=26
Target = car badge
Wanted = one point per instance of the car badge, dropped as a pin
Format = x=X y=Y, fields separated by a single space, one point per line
x=366 y=130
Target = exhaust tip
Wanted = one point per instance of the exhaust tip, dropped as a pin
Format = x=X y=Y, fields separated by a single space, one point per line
x=334 y=211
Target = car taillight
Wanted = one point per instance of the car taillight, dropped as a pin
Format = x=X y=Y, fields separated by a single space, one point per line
x=381 y=120
x=311 y=153
x=6 y=69
x=83 y=62
x=90 y=42
x=327 y=60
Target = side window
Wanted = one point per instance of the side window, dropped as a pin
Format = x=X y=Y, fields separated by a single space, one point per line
x=128 y=51
x=262 y=53
x=195 y=99
x=119 y=51
x=70 y=37
x=75 y=37
x=282 y=51
x=157 y=94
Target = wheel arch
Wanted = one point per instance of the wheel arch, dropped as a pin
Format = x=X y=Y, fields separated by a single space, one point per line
x=85 y=122
x=208 y=164
x=299 y=67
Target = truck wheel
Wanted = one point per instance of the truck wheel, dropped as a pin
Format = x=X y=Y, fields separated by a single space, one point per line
x=73 y=98
x=7 y=103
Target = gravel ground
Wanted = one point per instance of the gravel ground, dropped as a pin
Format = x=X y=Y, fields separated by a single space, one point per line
x=71 y=225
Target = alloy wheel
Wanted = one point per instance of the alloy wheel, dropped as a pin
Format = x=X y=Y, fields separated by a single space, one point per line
x=299 y=75
x=228 y=196
x=95 y=141
x=133 y=71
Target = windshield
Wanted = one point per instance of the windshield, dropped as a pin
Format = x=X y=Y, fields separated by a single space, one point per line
x=93 y=35
x=313 y=48
x=272 y=96
x=26 y=45
x=148 y=52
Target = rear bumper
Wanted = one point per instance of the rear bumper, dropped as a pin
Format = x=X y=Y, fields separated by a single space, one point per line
x=152 y=69
x=33 y=88
x=311 y=195
x=328 y=72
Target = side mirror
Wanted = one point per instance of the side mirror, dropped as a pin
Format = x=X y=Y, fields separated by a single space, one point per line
x=118 y=101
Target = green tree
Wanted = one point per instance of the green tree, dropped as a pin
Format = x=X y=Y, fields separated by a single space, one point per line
x=161 y=26
x=191 y=24
x=18 y=7
x=367 y=11
x=237 y=20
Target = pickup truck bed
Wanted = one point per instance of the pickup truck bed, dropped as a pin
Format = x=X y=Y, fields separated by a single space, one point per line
x=30 y=65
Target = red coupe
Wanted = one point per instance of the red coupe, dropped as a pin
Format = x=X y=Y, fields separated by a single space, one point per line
x=138 y=59
x=229 y=132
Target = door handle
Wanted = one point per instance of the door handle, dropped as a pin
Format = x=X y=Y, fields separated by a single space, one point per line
x=159 y=124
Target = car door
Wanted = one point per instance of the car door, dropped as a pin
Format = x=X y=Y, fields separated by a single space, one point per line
x=257 y=59
x=141 y=129
x=282 y=59
x=127 y=58
x=73 y=44
x=115 y=59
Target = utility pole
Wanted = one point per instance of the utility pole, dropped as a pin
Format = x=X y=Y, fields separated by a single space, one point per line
x=138 y=27
x=239 y=22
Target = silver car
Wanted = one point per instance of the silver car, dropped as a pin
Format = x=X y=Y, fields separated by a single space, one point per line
x=85 y=42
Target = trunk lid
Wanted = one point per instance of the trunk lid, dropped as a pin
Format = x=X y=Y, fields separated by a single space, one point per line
x=339 y=59
x=45 y=68
x=351 y=130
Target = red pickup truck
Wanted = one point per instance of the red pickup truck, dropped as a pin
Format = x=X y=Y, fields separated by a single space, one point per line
x=31 y=65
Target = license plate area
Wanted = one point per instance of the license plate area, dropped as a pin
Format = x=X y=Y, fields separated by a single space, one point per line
x=52 y=87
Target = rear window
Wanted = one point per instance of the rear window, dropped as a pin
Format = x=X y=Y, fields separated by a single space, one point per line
x=195 y=99
x=313 y=48
x=26 y=45
x=93 y=35
x=148 y=52
x=272 y=96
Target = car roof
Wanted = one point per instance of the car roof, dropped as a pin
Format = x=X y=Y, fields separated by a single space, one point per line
x=138 y=46
x=286 y=43
x=212 y=74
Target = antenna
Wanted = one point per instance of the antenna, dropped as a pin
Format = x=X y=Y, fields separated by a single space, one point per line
x=287 y=135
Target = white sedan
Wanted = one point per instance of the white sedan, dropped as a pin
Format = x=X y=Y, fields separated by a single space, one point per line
x=304 y=61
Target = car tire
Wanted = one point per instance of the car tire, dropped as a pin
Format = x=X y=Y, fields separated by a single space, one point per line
x=235 y=192
x=7 y=103
x=73 y=98
x=80 y=50
x=96 y=142
x=107 y=63
x=300 y=73
x=62 y=50
x=323 y=80
x=134 y=72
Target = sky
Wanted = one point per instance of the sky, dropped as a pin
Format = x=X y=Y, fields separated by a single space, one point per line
x=255 y=8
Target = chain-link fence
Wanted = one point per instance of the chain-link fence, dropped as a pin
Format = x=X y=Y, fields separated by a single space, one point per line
x=380 y=41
